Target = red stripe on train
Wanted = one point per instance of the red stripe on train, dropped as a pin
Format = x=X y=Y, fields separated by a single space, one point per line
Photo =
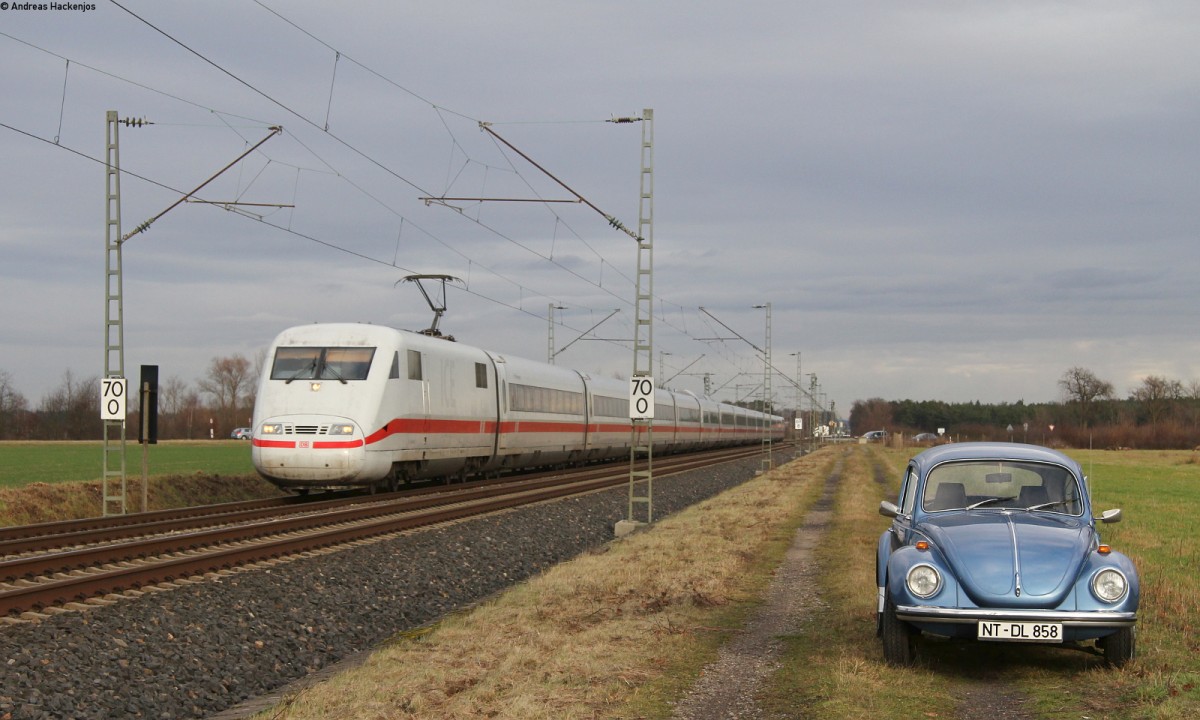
x=433 y=426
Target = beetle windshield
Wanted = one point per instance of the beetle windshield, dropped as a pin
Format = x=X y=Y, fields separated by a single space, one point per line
x=322 y=363
x=1037 y=487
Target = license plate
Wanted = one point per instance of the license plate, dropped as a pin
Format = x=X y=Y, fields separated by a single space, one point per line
x=1021 y=631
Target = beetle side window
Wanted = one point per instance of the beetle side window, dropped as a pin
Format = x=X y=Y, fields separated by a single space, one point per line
x=909 y=497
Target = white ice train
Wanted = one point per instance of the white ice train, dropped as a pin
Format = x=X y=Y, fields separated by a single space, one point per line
x=363 y=405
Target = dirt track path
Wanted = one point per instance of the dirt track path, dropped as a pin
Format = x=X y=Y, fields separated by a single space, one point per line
x=728 y=688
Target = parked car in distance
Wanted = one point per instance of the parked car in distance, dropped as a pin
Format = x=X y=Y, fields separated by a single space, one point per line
x=925 y=437
x=997 y=542
x=875 y=435
x=240 y=434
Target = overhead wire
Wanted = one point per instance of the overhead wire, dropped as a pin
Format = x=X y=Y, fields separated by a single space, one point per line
x=358 y=187
x=281 y=228
x=315 y=125
x=439 y=110
x=340 y=53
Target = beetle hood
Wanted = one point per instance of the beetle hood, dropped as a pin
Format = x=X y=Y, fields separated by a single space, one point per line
x=1012 y=558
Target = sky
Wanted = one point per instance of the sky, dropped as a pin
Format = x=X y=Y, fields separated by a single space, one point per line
x=951 y=201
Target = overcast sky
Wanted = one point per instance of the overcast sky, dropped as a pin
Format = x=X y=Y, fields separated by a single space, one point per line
x=940 y=200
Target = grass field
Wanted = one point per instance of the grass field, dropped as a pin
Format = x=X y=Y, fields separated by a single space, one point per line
x=22 y=463
x=836 y=670
x=591 y=638
x=646 y=637
x=49 y=481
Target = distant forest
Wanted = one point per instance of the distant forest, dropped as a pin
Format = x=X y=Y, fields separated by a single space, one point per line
x=1159 y=414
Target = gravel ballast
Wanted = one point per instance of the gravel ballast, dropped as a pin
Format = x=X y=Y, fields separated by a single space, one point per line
x=196 y=650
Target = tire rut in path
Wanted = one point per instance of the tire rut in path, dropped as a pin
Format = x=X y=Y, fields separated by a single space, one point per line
x=729 y=686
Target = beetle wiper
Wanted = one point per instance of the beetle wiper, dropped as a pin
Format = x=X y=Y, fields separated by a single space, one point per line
x=1052 y=503
x=985 y=501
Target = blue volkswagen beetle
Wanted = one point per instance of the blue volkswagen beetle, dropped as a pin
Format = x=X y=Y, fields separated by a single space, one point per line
x=996 y=542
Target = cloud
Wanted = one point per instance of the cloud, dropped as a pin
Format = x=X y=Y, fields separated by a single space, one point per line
x=950 y=202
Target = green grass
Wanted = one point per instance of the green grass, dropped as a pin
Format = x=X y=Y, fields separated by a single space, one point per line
x=22 y=463
x=835 y=667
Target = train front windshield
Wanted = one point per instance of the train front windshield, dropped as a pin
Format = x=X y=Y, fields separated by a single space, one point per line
x=322 y=363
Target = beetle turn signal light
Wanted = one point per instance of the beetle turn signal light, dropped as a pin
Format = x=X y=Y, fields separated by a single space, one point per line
x=922 y=545
x=1104 y=549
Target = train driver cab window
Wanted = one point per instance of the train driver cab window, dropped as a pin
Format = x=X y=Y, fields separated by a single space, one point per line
x=322 y=363
x=394 y=373
x=414 y=365
x=481 y=375
x=350 y=363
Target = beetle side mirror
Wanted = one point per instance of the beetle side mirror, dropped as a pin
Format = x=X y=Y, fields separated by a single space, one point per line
x=888 y=509
x=1111 y=516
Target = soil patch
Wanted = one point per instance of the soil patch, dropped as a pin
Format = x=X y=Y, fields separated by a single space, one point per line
x=44 y=502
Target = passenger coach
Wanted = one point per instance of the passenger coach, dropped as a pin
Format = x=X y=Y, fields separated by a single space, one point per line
x=354 y=404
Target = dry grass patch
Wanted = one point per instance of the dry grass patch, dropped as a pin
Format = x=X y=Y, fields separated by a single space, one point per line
x=834 y=666
x=841 y=663
x=590 y=636
x=42 y=502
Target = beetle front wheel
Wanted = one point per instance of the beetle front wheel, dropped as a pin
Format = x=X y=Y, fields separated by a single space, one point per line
x=1119 y=647
x=898 y=637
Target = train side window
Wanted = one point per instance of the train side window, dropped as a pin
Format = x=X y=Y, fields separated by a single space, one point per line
x=480 y=375
x=414 y=365
x=394 y=373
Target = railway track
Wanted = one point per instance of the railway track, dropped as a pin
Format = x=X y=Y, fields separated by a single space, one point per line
x=57 y=565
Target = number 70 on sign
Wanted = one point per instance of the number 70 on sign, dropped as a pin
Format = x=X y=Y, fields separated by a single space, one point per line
x=641 y=398
x=112 y=398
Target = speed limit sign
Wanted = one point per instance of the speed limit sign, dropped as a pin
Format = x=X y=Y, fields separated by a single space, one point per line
x=641 y=398
x=112 y=398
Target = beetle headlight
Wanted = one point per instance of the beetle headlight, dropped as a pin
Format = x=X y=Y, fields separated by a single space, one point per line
x=272 y=428
x=1109 y=585
x=923 y=581
x=341 y=429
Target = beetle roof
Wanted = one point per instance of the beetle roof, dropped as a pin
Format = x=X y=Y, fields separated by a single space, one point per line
x=992 y=451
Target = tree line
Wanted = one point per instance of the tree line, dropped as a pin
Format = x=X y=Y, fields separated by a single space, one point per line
x=210 y=407
x=1159 y=413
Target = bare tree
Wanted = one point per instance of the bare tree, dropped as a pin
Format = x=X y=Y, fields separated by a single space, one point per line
x=1191 y=393
x=191 y=414
x=1081 y=386
x=1157 y=395
x=228 y=382
x=173 y=400
x=12 y=407
x=72 y=410
x=873 y=414
x=260 y=364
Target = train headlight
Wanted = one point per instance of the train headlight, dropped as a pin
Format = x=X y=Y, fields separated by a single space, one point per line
x=341 y=429
x=271 y=429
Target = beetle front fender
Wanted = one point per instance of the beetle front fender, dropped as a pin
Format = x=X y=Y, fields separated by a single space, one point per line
x=887 y=545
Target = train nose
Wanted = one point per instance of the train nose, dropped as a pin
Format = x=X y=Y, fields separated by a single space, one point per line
x=309 y=450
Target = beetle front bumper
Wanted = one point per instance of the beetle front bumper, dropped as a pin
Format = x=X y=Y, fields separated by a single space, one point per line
x=1069 y=618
